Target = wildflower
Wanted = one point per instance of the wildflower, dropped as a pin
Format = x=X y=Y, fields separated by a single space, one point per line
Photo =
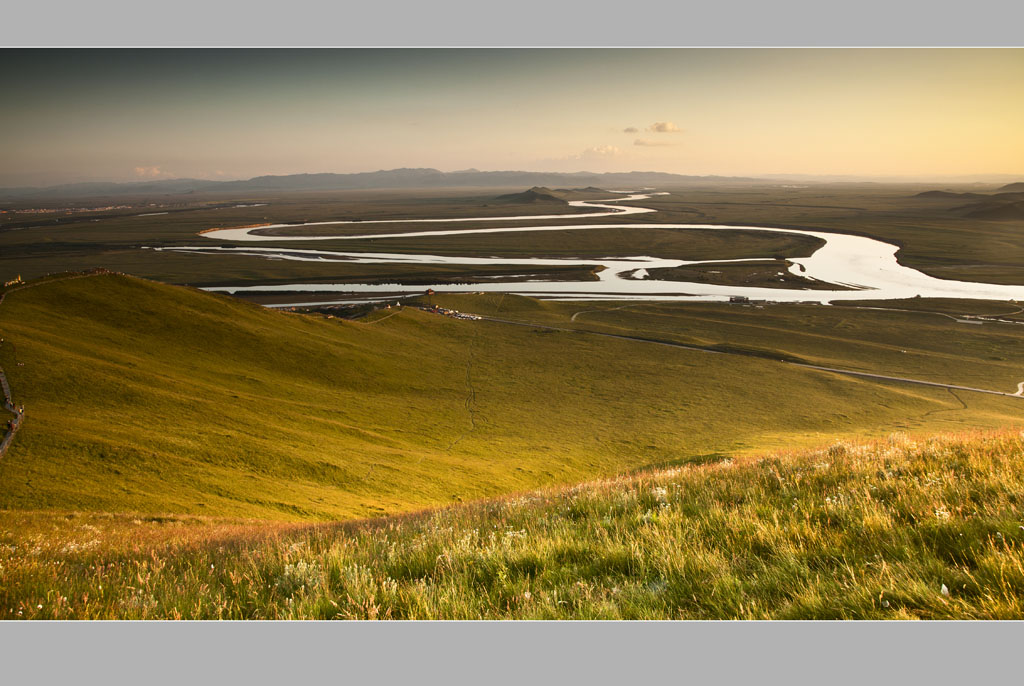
x=942 y=513
x=885 y=603
x=944 y=590
x=39 y=607
x=527 y=595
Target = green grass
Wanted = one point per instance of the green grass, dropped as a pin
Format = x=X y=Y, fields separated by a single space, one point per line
x=902 y=528
x=142 y=397
x=921 y=345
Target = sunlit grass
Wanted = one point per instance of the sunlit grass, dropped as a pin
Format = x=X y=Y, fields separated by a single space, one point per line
x=149 y=398
x=927 y=527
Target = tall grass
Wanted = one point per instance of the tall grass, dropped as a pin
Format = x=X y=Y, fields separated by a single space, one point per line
x=900 y=528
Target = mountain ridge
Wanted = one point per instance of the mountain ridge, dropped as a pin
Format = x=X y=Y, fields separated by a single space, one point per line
x=386 y=178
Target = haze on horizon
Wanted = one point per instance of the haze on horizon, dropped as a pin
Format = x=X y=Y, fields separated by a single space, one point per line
x=122 y=115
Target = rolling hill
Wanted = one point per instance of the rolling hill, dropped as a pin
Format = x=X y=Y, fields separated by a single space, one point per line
x=150 y=398
x=999 y=211
x=537 y=194
x=1006 y=205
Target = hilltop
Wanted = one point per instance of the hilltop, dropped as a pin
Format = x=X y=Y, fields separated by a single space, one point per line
x=537 y=194
x=1016 y=187
x=558 y=196
x=922 y=527
x=944 y=195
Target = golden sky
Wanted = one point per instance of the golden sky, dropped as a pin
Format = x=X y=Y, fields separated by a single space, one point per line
x=132 y=114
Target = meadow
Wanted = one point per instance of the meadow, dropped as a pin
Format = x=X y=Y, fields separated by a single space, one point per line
x=905 y=527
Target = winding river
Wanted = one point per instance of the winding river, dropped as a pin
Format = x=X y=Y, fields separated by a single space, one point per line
x=861 y=268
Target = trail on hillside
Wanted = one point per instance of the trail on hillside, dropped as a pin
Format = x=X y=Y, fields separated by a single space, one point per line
x=603 y=309
x=963 y=405
x=470 y=402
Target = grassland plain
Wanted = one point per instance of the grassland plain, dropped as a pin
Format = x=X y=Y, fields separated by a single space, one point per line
x=906 y=527
x=933 y=236
x=147 y=398
x=917 y=344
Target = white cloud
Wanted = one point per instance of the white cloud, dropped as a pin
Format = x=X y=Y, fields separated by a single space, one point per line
x=630 y=129
x=663 y=127
x=650 y=143
x=599 y=152
x=149 y=172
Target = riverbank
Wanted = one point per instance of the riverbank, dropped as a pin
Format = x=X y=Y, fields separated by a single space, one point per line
x=865 y=268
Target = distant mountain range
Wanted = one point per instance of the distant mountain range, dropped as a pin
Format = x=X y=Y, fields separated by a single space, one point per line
x=392 y=178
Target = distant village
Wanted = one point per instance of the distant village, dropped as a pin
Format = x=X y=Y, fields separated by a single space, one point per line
x=360 y=310
x=455 y=314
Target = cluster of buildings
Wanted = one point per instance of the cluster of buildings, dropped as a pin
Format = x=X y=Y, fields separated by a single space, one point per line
x=454 y=314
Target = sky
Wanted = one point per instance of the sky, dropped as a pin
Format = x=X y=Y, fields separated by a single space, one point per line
x=87 y=115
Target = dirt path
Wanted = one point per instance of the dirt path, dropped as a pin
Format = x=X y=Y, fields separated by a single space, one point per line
x=1020 y=389
x=378 y=321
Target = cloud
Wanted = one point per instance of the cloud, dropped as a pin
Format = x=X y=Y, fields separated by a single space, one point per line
x=630 y=129
x=599 y=157
x=650 y=143
x=598 y=152
x=663 y=127
x=148 y=172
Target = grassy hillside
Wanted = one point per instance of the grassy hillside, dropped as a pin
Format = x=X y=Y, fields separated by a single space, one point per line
x=149 y=398
x=900 y=528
